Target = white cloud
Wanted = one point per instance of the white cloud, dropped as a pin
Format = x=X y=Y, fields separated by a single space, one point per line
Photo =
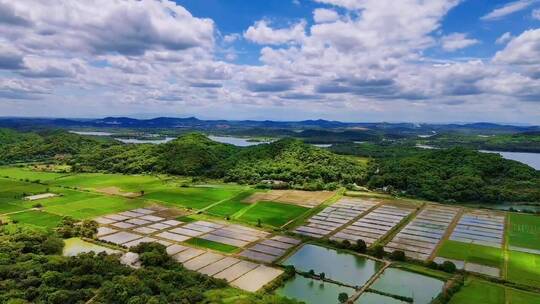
x=504 y=38
x=457 y=41
x=262 y=33
x=522 y=50
x=104 y=26
x=508 y=9
x=231 y=38
x=321 y=15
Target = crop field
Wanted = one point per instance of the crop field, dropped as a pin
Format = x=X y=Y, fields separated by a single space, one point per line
x=231 y=206
x=271 y=213
x=478 y=254
x=524 y=231
x=27 y=173
x=524 y=268
x=12 y=190
x=480 y=291
x=37 y=218
x=132 y=183
x=194 y=197
x=308 y=199
x=212 y=245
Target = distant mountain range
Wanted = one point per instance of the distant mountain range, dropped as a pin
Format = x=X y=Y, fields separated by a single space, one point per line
x=198 y=124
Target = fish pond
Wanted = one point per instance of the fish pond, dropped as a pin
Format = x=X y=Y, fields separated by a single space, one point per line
x=339 y=266
x=313 y=291
x=422 y=289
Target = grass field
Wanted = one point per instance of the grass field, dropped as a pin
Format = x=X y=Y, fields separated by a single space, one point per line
x=194 y=197
x=13 y=190
x=524 y=231
x=524 y=268
x=128 y=183
x=270 y=213
x=27 y=173
x=212 y=245
x=478 y=254
x=37 y=218
x=231 y=206
x=479 y=291
x=515 y=296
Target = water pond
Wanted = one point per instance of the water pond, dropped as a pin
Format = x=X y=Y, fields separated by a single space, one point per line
x=91 y=133
x=75 y=246
x=374 y=298
x=237 y=141
x=339 y=266
x=409 y=284
x=145 y=141
x=313 y=291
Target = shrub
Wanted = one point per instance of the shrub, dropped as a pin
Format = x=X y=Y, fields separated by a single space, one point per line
x=448 y=266
x=397 y=255
x=360 y=246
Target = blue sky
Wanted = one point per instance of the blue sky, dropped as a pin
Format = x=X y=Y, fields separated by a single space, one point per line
x=353 y=60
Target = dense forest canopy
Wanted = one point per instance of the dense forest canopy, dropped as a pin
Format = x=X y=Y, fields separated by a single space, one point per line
x=456 y=175
x=449 y=175
x=33 y=271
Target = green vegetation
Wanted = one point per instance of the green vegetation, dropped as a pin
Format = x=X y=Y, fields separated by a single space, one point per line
x=515 y=296
x=212 y=245
x=472 y=253
x=524 y=268
x=235 y=296
x=456 y=175
x=524 y=231
x=37 y=218
x=231 y=206
x=479 y=291
x=194 y=197
x=518 y=142
x=270 y=213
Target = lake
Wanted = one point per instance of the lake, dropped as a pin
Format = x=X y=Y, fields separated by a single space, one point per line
x=339 y=266
x=145 y=141
x=237 y=141
x=531 y=159
x=313 y=291
x=92 y=133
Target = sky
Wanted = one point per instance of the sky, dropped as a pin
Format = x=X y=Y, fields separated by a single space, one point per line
x=349 y=60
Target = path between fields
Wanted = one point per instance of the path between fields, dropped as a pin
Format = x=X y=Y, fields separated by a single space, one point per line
x=20 y=211
x=370 y=282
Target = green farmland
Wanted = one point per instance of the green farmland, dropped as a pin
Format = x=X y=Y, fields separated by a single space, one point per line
x=270 y=213
x=524 y=268
x=472 y=253
x=524 y=231
x=480 y=291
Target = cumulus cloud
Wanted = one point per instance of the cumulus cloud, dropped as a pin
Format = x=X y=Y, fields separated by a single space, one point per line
x=104 y=26
x=524 y=49
x=508 y=9
x=262 y=33
x=457 y=41
x=321 y=15
x=504 y=38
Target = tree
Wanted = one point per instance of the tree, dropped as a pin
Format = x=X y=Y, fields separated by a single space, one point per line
x=378 y=251
x=343 y=297
x=397 y=255
x=322 y=275
x=311 y=272
x=361 y=246
x=346 y=244
x=448 y=266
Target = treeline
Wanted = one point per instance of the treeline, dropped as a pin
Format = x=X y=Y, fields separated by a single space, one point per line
x=456 y=175
x=519 y=142
x=33 y=271
x=289 y=160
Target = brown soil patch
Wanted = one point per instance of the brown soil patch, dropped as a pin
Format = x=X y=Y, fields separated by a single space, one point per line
x=170 y=213
x=117 y=191
x=308 y=199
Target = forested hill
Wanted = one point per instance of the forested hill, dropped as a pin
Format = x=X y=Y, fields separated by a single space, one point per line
x=446 y=175
x=287 y=160
x=456 y=175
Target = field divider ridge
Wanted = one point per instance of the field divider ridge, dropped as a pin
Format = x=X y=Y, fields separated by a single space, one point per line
x=447 y=233
x=349 y=223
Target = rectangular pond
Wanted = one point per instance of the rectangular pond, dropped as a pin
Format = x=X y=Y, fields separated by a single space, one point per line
x=74 y=246
x=408 y=284
x=339 y=266
x=374 y=298
x=313 y=291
